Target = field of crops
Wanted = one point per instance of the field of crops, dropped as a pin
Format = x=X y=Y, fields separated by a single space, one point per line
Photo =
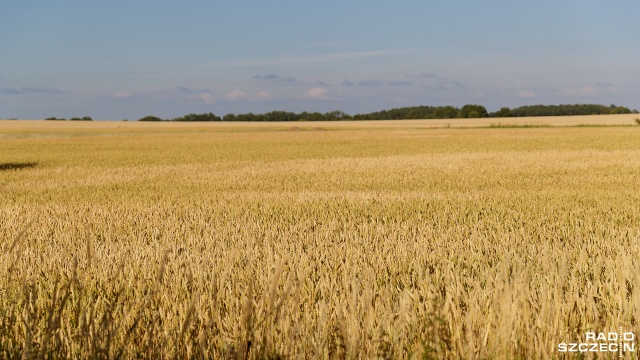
x=317 y=240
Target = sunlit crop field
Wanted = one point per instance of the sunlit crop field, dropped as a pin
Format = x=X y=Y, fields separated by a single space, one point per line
x=317 y=240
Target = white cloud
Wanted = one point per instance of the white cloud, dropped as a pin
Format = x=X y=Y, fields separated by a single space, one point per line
x=236 y=95
x=267 y=77
x=600 y=89
x=207 y=98
x=264 y=95
x=200 y=95
x=526 y=94
x=582 y=91
x=317 y=93
x=519 y=92
x=376 y=82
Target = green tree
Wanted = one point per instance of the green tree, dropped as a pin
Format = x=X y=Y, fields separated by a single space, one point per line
x=568 y=109
x=336 y=115
x=280 y=116
x=620 y=110
x=314 y=116
x=503 y=112
x=477 y=111
x=444 y=112
x=150 y=118
x=198 y=117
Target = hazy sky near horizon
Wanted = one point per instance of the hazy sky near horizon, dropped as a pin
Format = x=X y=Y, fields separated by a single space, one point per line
x=127 y=59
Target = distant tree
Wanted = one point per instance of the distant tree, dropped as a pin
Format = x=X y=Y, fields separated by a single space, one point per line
x=198 y=117
x=620 y=110
x=444 y=112
x=87 y=118
x=503 y=112
x=568 y=110
x=280 y=116
x=314 y=116
x=229 y=117
x=76 y=119
x=473 y=111
x=53 y=118
x=249 y=117
x=336 y=115
x=150 y=118
x=413 y=112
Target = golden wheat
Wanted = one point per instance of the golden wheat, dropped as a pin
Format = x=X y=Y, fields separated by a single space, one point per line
x=331 y=240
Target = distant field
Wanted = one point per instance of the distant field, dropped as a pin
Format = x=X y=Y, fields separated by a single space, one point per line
x=41 y=125
x=390 y=239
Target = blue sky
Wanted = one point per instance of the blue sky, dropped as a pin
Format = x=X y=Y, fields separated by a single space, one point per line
x=127 y=59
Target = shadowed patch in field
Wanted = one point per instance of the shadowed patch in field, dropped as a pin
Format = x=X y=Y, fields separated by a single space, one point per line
x=17 y=166
x=295 y=128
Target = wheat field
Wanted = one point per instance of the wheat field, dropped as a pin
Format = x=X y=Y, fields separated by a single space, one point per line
x=317 y=240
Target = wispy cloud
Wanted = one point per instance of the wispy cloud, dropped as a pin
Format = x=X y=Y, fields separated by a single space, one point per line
x=264 y=95
x=266 y=77
x=124 y=96
x=400 y=83
x=375 y=82
x=527 y=94
x=207 y=98
x=188 y=90
x=296 y=59
x=317 y=93
x=272 y=77
x=180 y=94
x=236 y=95
x=30 y=90
x=198 y=95
x=585 y=91
x=371 y=83
x=426 y=75
x=434 y=81
x=9 y=91
x=581 y=93
x=442 y=84
x=434 y=87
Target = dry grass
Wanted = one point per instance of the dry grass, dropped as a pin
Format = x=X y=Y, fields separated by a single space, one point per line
x=283 y=241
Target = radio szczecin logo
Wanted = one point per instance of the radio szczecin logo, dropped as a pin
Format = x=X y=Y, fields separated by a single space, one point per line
x=594 y=342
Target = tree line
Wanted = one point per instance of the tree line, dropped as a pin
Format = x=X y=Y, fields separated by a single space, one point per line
x=270 y=116
x=412 y=112
x=568 y=110
x=84 y=118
